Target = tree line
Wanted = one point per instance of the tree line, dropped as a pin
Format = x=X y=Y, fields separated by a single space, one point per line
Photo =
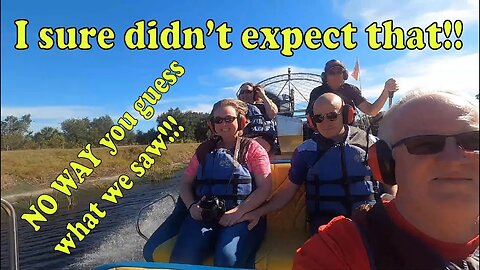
x=77 y=132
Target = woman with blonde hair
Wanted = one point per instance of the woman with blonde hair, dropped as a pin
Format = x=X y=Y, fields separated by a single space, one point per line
x=227 y=177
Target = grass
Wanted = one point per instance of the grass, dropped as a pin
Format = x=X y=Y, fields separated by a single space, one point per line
x=29 y=170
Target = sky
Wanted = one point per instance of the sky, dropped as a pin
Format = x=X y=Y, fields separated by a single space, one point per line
x=55 y=85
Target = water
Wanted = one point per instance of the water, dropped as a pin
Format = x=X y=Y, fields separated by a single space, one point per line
x=113 y=239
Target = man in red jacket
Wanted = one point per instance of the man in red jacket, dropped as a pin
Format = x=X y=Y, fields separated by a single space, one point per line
x=430 y=147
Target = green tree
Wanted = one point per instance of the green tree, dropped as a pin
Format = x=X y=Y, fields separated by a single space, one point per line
x=201 y=130
x=49 y=137
x=193 y=122
x=99 y=127
x=129 y=139
x=140 y=137
x=76 y=132
x=199 y=125
x=15 y=132
x=144 y=138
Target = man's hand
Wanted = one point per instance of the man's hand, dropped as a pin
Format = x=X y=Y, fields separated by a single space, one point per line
x=252 y=219
x=386 y=197
x=231 y=217
x=261 y=91
x=391 y=86
x=270 y=107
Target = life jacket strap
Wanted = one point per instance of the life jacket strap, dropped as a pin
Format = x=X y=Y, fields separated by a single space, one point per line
x=232 y=197
x=355 y=198
x=351 y=179
x=233 y=181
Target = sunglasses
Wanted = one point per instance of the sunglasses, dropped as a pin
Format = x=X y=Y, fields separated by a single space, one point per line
x=332 y=116
x=228 y=119
x=245 y=92
x=434 y=144
x=335 y=72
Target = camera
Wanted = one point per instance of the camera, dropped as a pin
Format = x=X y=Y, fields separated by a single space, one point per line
x=256 y=89
x=212 y=208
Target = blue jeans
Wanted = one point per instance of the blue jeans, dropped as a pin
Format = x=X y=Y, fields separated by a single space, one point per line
x=233 y=246
x=169 y=228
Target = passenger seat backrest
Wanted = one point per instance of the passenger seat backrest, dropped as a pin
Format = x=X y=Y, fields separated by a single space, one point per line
x=293 y=216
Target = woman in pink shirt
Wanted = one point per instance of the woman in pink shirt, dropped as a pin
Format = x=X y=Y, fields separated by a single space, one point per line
x=227 y=177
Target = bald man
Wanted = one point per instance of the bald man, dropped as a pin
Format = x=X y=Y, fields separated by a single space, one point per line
x=331 y=165
x=431 y=146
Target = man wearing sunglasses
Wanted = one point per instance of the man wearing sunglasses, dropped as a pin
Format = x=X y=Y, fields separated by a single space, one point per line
x=261 y=112
x=330 y=165
x=334 y=76
x=429 y=147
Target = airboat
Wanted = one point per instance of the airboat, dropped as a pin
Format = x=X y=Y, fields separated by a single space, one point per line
x=287 y=229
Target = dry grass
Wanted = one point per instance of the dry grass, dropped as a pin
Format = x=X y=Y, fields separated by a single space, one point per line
x=25 y=170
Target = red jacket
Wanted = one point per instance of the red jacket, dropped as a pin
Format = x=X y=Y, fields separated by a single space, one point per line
x=339 y=245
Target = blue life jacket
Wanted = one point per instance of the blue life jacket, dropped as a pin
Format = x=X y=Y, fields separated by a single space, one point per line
x=258 y=123
x=339 y=180
x=238 y=188
x=220 y=175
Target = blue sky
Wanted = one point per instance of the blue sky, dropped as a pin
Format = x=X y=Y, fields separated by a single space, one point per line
x=54 y=85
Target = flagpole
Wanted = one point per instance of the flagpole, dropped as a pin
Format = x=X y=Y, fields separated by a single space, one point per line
x=360 y=82
x=364 y=119
x=359 y=76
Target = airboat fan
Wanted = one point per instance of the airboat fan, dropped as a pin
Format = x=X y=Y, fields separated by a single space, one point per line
x=291 y=91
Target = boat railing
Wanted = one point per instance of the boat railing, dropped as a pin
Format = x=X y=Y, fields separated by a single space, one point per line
x=137 y=224
x=13 y=234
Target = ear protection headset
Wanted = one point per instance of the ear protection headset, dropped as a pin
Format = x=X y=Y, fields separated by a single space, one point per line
x=348 y=116
x=241 y=121
x=331 y=64
x=380 y=160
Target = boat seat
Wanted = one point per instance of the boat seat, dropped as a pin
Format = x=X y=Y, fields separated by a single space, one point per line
x=287 y=230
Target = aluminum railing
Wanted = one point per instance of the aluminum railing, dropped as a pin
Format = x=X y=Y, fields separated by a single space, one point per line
x=13 y=234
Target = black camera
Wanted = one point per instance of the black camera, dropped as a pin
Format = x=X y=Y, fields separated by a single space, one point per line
x=212 y=208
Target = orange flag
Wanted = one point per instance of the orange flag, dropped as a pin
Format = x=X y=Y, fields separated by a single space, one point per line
x=356 y=71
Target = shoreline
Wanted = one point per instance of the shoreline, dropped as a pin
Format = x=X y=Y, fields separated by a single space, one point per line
x=17 y=196
x=26 y=174
x=92 y=184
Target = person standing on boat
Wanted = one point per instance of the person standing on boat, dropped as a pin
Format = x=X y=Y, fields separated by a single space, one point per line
x=234 y=173
x=334 y=76
x=331 y=165
x=430 y=147
x=260 y=114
